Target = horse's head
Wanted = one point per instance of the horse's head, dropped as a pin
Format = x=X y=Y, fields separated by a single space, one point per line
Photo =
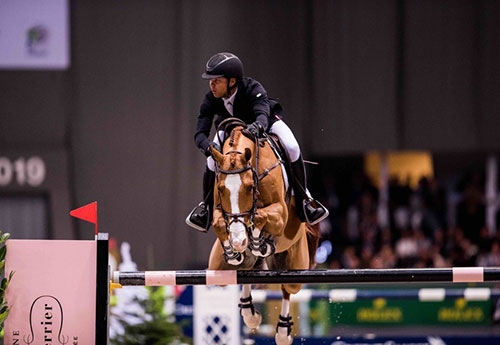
x=236 y=187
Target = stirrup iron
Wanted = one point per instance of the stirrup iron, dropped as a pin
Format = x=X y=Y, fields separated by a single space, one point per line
x=196 y=226
x=319 y=205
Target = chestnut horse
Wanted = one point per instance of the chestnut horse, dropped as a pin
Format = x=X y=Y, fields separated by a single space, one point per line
x=255 y=227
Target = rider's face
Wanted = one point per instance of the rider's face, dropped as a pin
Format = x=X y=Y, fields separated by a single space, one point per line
x=218 y=86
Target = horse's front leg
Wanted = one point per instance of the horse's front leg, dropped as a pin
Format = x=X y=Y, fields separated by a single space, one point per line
x=284 y=328
x=251 y=316
x=270 y=219
x=230 y=256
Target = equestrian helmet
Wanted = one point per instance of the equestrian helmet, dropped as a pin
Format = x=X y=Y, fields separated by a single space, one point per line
x=223 y=65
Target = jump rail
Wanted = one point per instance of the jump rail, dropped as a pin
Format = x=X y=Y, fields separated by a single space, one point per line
x=208 y=277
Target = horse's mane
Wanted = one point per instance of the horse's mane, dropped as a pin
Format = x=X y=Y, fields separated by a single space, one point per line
x=234 y=139
x=235 y=135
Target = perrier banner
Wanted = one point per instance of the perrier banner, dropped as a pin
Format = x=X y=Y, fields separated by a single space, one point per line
x=381 y=311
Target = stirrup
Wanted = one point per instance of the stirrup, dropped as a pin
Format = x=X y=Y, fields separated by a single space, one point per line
x=196 y=226
x=319 y=205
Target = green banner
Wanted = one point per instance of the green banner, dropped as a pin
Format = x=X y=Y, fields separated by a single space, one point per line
x=381 y=311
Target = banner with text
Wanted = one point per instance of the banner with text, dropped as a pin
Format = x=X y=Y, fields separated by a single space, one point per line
x=52 y=294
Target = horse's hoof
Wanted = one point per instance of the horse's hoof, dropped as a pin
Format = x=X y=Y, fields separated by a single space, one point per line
x=252 y=320
x=283 y=339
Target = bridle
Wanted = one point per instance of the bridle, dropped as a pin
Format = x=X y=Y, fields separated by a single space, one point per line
x=233 y=217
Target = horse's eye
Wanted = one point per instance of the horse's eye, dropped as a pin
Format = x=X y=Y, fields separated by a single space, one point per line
x=250 y=188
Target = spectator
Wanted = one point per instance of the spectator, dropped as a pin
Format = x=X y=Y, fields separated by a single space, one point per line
x=492 y=258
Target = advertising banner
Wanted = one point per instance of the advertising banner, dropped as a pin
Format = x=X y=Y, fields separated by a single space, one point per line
x=381 y=311
x=52 y=294
x=34 y=34
x=216 y=316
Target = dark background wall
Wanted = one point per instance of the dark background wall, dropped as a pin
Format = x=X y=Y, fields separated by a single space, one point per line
x=352 y=76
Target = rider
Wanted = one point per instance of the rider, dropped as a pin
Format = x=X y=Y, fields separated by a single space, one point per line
x=233 y=95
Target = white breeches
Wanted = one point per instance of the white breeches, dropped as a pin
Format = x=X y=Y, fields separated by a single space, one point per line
x=279 y=128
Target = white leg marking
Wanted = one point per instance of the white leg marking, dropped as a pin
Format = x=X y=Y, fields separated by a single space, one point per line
x=246 y=291
x=255 y=232
x=251 y=320
x=285 y=307
x=282 y=337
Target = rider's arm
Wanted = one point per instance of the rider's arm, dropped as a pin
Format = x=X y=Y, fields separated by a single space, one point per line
x=260 y=103
x=205 y=119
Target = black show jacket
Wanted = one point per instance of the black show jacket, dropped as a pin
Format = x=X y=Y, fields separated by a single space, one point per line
x=251 y=103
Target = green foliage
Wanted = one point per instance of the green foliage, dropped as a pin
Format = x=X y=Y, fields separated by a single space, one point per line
x=4 y=308
x=155 y=328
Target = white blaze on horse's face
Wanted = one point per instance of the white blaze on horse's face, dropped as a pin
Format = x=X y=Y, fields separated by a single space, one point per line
x=237 y=229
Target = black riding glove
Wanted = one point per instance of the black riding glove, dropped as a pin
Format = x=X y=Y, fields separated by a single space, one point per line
x=255 y=129
x=215 y=146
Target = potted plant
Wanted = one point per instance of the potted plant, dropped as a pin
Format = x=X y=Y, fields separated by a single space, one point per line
x=4 y=308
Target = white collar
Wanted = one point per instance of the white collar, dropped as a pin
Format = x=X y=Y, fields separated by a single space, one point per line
x=230 y=99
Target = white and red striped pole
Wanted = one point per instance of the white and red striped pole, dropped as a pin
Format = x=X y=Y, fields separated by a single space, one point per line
x=361 y=276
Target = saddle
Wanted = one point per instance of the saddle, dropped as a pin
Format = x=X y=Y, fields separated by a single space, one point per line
x=282 y=155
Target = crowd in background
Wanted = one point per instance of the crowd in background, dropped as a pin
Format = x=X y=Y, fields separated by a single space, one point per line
x=428 y=226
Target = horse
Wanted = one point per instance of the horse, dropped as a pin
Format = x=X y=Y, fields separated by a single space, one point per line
x=255 y=226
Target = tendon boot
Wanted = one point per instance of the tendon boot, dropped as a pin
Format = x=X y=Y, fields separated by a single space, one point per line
x=200 y=217
x=308 y=209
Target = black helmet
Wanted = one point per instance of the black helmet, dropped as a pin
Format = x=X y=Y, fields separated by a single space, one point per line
x=223 y=65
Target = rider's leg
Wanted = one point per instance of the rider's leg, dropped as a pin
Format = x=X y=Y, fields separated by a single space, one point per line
x=308 y=209
x=200 y=217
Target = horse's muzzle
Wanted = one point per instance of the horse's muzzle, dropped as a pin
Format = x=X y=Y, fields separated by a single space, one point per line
x=238 y=246
x=238 y=236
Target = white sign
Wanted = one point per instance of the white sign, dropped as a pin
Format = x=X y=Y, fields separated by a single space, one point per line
x=34 y=34
x=216 y=315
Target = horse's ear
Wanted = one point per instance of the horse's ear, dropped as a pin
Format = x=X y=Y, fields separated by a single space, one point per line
x=219 y=158
x=248 y=154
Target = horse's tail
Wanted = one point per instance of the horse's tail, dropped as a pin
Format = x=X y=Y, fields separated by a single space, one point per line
x=313 y=235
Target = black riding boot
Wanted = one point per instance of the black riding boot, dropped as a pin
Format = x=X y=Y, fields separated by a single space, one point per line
x=308 y=209
x=200 y=217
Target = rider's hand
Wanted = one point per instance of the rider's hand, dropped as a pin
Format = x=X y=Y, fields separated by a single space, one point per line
x=255 y=129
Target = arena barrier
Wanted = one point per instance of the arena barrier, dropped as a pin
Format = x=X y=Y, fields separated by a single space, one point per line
x=358 y=276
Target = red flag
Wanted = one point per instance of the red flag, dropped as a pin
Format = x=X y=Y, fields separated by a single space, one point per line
x=87 y=213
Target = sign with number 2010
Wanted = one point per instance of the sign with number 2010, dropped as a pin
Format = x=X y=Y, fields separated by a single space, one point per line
x=30 y=171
